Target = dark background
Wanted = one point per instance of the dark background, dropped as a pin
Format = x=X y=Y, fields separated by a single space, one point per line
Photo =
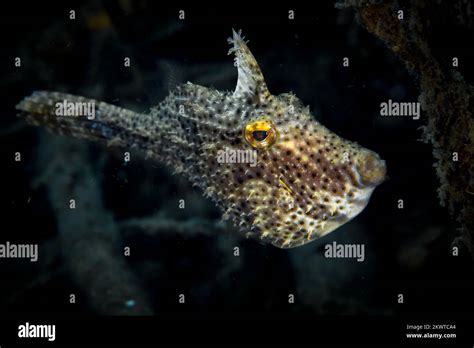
x=407 y=250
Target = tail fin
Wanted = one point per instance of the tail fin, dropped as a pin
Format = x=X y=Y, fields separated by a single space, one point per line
x=103 y=122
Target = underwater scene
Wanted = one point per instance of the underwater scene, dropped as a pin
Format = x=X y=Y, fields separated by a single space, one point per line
x=238 y=162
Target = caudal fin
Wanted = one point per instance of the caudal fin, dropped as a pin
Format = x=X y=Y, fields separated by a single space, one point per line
x=81 y=117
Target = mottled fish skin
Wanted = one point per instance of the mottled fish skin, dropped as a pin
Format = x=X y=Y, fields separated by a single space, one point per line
x=305 y=185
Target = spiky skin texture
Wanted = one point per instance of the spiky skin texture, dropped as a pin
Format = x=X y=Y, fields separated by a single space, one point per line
x=308 y=183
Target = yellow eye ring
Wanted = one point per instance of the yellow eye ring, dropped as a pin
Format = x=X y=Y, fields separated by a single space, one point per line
x=260 y=134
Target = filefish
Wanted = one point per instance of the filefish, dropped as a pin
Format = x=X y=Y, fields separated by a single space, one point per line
x=306 y=182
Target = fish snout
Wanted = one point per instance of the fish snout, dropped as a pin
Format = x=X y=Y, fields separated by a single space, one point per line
x=372 y=169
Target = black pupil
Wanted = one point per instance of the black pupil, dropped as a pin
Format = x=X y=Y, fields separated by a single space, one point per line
x=259 y=135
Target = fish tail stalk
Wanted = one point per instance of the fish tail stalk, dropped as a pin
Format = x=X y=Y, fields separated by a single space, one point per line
x=80 y=117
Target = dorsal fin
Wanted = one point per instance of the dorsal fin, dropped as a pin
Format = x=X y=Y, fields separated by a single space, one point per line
x=250 y=80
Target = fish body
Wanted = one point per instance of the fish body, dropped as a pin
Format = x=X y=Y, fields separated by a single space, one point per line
x=303 y=182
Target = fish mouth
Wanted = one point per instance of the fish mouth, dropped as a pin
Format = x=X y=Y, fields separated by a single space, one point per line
x=372 y=170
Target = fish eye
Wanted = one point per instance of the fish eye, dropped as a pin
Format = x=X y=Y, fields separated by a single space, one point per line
x=260 y=134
